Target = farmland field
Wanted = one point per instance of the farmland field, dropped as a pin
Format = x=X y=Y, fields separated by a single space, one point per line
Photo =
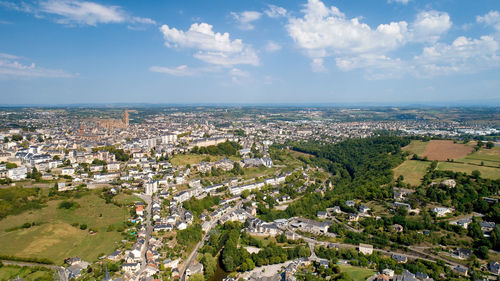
x=55 y=238
x=490 y=157
x=412 y=171
x=443 y=150
x=486 y=172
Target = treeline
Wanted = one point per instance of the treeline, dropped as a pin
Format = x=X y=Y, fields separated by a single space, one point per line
x=228 y=148
x=197 y=206
x=22 y=259
x=362 y=169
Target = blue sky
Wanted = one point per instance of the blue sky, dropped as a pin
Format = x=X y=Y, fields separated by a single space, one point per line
x=308 y=51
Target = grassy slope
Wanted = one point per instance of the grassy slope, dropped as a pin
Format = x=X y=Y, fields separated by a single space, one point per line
x=184 y=159
x=412 y=170
x=490 y=157
x=56 y=239
x=486 y=172
x=416 y=147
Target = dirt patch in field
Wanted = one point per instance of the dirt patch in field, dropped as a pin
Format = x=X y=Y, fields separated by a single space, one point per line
x=443 y=150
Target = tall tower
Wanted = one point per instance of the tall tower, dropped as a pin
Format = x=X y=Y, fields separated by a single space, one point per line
x=125 y=118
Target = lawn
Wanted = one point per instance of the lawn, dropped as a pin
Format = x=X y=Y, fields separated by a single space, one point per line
x=56 y=239
x=412 y=171
x=9 y=272
x=357 y=273
x=416 y=147
x=486 y=172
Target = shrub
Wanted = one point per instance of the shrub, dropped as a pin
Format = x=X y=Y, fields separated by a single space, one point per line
x=68 y=205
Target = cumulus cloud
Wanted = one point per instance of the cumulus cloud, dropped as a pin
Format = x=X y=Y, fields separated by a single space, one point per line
x=491 y=19
x=325 y=31
x=11 y=67
x=246 y=18
x=272 y=46
x=214 y=48
x=430 y=25
x=75 y=12
x=274 y=12
x=463 y=55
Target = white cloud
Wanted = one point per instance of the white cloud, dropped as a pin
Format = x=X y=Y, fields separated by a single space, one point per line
x=326 y=31
x=430 y=25
x=246 y=18
x=464 y=55
x=491 y=19
x=238 y=72
x=317 y=65
x=10 y=67
x=181 y=70
x=272 y=46
x=404 y=2
x=215 y=48
x=275 y=11
x=75 y=12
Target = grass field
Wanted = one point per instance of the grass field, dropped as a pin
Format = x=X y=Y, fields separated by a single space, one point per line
x=416 y=147
x=184 y=159
x=9 y=272
x=412 y=171
x=56 y=239
x=486 y=172
x=490 y=157
x=357 y=273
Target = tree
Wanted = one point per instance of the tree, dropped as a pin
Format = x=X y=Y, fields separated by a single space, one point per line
x=480 y=143
x=245 y=194
x=209 y=264
x=482 y=252
x=490 y=145
x=476 y=174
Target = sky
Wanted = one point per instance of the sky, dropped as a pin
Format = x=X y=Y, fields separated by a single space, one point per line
x=55 y=52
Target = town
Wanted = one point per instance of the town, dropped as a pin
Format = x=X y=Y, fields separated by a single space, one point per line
x=248 y=194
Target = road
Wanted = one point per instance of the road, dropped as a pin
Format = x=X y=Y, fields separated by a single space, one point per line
x=194 y=252
x=60 y=270
x=149 y=229
x=419 y=254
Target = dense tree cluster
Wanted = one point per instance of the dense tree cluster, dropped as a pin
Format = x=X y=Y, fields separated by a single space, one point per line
x=197 y=206
x=15 y=200
x=228 y=148
x=229 y=238
x=191 y=235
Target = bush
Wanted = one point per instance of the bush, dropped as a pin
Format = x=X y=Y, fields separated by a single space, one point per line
x=68 y=205
x=83 y=226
